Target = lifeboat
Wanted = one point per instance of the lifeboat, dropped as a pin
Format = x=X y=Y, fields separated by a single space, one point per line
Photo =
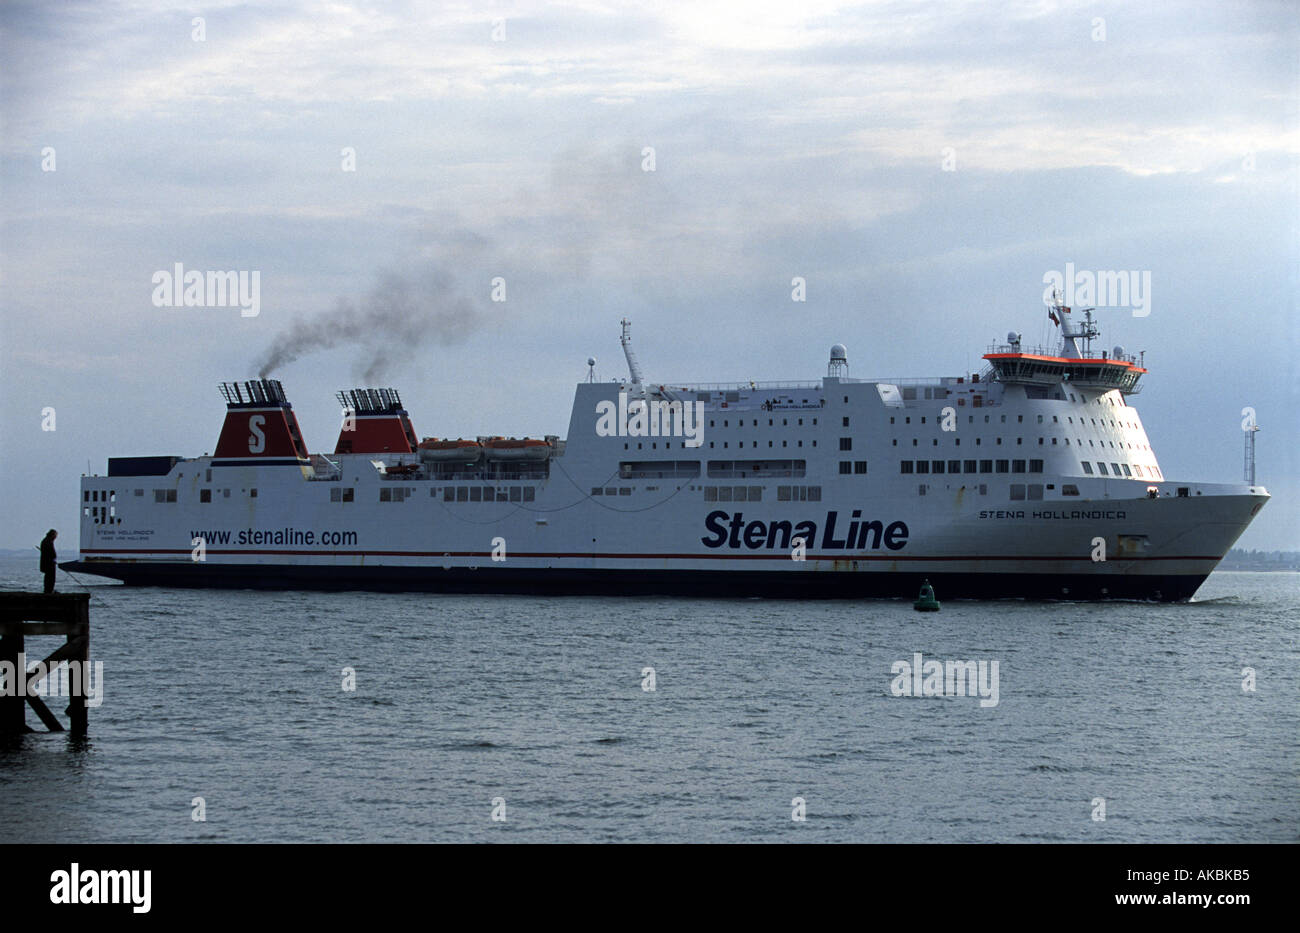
x=444 y=451
x=517 y=448
x=403 y=469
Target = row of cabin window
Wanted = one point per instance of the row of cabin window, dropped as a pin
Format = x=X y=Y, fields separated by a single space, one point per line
x=733 y=493
x=654 y=445
x=1139 y=471
x=740 y=422
x=110 y=495
x=970 y=419
x=934 y=442
x=487 y=493
x=853 y=466
x=205 y=495
x=755 y=493
x=717 y=469
x=1018 y=491
x=970 y=466
x=1022 y=491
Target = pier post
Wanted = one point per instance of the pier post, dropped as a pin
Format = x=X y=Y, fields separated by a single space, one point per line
x=23 y=614
x=11 y=703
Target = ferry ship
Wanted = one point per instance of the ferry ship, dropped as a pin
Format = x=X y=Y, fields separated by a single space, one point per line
x=1031 y=479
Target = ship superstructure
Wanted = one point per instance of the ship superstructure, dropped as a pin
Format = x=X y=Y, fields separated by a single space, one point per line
x=1033 y=478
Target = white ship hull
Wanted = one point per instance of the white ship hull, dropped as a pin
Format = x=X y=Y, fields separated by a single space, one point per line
x=1013 y=514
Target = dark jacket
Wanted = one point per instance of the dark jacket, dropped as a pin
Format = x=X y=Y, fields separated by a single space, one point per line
x=48 y=557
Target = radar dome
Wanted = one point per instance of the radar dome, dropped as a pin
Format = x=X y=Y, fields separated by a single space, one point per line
x=1012 y=337
x=591 y=361
x=1117 y=351
x=839 y=352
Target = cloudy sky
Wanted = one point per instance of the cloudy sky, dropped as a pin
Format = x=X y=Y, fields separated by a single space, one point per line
x=921 y=165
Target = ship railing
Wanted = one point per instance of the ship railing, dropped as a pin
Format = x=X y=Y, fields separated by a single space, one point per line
x=1056 y=352
x=915 y=380
x=1019 y=348
x=804 y=384
x=744 y=386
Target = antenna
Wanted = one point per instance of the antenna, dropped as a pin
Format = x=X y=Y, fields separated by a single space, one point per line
x=1250 y=429
x=1072 y=333
x=634 y=368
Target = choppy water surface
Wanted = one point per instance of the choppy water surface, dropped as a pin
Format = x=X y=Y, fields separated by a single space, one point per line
x=236 y=697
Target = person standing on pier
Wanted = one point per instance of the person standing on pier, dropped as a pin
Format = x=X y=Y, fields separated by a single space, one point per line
x=48 y=559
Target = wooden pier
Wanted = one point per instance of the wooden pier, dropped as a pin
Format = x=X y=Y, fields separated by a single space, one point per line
x=23 y=614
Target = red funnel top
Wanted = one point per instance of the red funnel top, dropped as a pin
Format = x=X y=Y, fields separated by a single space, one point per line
x=374 y=422
x=260 y=426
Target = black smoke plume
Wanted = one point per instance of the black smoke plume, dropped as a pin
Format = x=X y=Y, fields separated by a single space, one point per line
x=401 y=314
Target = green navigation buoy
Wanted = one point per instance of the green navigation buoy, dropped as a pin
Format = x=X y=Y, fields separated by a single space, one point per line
x=926 y=602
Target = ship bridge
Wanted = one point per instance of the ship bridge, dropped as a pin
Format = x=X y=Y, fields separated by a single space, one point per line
x=1074 y=362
